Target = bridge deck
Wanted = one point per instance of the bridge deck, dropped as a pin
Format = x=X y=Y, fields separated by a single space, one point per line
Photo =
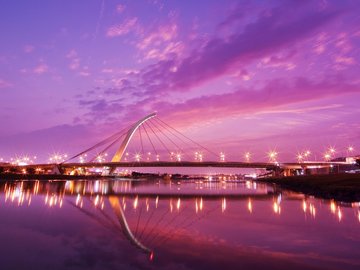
x=203 y=164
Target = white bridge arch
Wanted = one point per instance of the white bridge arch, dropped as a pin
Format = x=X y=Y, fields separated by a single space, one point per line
x=120 y=152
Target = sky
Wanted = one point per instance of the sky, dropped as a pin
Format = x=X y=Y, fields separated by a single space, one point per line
x=235 y=76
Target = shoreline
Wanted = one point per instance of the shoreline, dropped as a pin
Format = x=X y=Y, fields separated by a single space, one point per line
x=9 y=176
x=340 y=187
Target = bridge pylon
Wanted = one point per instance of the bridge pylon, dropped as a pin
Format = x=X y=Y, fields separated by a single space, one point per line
x=121 y=150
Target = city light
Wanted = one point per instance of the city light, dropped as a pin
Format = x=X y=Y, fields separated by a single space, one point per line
x=276 y=208
x=198 y=156
x=350 y=150
x=223 y=205
x=22 y=160
x=222 y=157
x=100 y=158
x=82 y=158
x=327 y=156
x=247 y=156
x=332 y=151
x=57 y=158
x=249 y=206
x=137 y=157
x=272 y=155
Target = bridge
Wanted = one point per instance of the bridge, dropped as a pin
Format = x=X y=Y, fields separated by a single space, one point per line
x=174 y=146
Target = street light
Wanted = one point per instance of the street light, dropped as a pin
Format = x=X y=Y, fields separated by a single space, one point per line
x=272 y=156
x=247 y=156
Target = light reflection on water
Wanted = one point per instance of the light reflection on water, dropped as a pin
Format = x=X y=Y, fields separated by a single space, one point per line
x=192 y=218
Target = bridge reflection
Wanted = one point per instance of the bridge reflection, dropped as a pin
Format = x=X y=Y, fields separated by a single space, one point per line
x=149 y=213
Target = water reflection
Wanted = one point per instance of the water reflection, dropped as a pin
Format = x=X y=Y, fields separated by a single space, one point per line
x=21 y=193
x=151 y=215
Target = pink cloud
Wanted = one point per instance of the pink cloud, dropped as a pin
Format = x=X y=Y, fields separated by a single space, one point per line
x=74 y=59
x=343 y=43
x=345 y=60
x=123 y=28
x=218 y=56
x=4 y=84
x=107 y=70
x=162 y=34
x=278 y=62
x=28 y=48
x=120 y=8
x=244 y=101
x=41 y=69
x=71 y=54
x=74 y=64
x=85 y=72
x=161 y=44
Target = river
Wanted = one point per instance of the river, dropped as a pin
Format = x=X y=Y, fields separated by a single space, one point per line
x=157 y=224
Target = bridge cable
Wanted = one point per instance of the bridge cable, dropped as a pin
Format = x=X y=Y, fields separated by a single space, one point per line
x=166 y=238
x=147 y=223
x=106 y=224
x=138 y=220
x=166 y=226
x=155 y=225
x=151 y=240
x=108 y=139
x=141 y=141
x=150 y=140
x=174 y=134
x=164 y=134
x=203 y=147
x=158 y=138
x=109 y=146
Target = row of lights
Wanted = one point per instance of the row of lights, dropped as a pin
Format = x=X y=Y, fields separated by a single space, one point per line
x=330 y=153
x=57 y=158
x=272 y=155
x=22 y=160
x=198 y=156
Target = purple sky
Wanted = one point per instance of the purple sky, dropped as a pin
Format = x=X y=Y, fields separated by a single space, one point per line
x=235 y=76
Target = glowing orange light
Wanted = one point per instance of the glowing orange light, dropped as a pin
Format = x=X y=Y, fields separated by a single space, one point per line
x=250 y=208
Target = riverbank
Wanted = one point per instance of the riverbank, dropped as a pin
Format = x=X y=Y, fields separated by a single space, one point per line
x=340 y=187
x=10 y=176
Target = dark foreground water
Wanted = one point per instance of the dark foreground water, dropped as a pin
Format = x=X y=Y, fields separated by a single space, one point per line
x=177 y=225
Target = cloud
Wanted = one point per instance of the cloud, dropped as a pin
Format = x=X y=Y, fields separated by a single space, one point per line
x=268 y=34
x=41 y=69
x=162 y=34
x=122 y=29
x=278 y=29
x=265 y=38
x=84 y=73
x=74 y=64
x=245 y=101
x=5 y=84
x=28 y=48
x=120 y=8
x=161 y=44
x=71 y=54
x=345 y=60
x=102 y=109
x=74 y=59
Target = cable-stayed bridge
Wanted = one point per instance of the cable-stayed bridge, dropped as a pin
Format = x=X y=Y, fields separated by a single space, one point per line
x=154 y=143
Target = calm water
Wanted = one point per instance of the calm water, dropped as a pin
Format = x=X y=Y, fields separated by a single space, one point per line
x=173 y=225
